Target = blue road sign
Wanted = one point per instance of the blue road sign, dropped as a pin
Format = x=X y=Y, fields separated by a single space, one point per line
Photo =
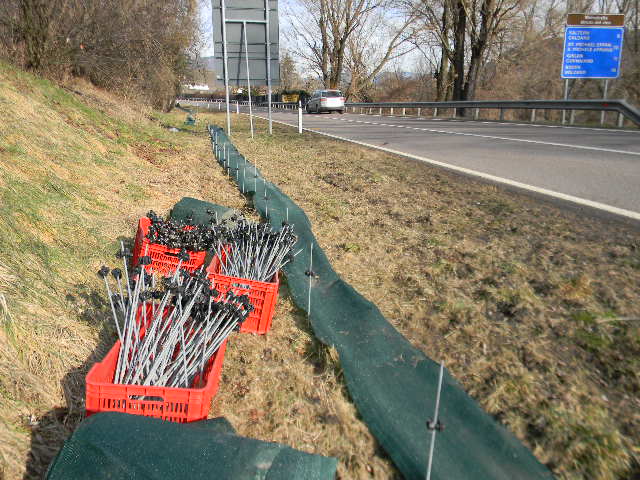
x=592 y=52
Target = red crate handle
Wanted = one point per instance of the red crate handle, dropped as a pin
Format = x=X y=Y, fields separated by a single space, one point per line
x=146 y=398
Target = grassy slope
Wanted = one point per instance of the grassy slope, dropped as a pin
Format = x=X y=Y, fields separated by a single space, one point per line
x=73 y=179
x=77 y=169
x=534 y=309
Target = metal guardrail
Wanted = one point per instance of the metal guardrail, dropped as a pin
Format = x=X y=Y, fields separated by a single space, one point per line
x=623 y=108
x=235 y=103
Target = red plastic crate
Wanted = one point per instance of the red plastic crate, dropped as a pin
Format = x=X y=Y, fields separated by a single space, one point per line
x=173 y=404
x=262 y=295
x=163 y=259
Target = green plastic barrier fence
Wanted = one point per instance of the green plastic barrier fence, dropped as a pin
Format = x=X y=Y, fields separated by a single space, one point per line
x=118 y=446
x=392 y=383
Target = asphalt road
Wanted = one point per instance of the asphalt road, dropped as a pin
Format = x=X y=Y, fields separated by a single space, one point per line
x=599 y=168
x=593 y=167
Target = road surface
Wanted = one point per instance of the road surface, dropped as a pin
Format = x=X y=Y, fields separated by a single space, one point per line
x=593 y=167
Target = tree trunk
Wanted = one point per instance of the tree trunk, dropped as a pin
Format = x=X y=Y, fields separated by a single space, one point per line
x=442 y=79
x=325 y=66
x=459 y=41
x=35 y=29
x=478 y=46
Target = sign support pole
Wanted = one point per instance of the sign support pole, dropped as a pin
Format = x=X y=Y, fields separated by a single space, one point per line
x=225 y=66
x=566 y=97
x=604 y=97
x=246 y=56
x=266 y=10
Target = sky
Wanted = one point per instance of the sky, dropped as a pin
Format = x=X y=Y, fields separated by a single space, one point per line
x=406 y=63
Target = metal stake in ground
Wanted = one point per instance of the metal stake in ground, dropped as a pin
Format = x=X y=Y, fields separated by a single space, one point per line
x=310 y=273
x=435 y=424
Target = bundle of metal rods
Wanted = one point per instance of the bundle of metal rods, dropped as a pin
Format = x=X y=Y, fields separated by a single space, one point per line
x=175 y=234
x=168 y=332
x=255 y=251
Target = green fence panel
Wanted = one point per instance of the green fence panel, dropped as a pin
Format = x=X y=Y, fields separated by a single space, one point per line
x=118 y=446
x=392 y=384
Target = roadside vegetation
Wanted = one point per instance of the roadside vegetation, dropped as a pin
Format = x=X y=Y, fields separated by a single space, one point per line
x=534 y=308
x=78 y=168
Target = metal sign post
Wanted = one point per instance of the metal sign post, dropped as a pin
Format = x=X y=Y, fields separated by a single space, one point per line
x=225 y=64
x=566 y=97
x=604 y=97
x=266 y=14
x=246 y=53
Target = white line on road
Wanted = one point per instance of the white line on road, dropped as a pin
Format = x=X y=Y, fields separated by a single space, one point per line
x=551 y=193
x=492 y=137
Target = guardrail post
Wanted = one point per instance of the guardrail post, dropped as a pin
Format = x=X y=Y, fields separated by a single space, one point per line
x=369 y=111
x=380 y=111
x=572 y=117
x=502 y=114
x=476 y=114
x=391 y=111
x=435 y=112
x=404 y=111
x=237 y=107
x=620 y=120
x=533 y=115
x=455 y=113
x=419 y=111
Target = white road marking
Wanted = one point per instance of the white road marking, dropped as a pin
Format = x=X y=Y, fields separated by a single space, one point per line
x=551 y=193
x=492 y=137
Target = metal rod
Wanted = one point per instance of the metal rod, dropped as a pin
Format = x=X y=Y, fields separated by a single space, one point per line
x=246 y=53
x=604 y=97
x=266 y=17
x=310 y=276
x=566 y=97
x=224 y=62
x=433 y=428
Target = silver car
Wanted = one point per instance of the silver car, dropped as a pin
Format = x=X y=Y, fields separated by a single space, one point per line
x=326 y=101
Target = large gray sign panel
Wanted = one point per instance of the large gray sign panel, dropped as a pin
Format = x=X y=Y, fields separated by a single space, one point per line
x=253 y=12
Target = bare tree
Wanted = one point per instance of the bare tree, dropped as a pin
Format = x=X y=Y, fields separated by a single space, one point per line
x=333 y=34
x=380 y=39
x=466 y=31
x=136 y=47
x=289 y=77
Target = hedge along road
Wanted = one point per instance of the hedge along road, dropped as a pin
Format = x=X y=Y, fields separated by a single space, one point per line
x=593 y=167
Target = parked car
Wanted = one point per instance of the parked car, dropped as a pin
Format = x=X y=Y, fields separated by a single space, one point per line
x=326 y=101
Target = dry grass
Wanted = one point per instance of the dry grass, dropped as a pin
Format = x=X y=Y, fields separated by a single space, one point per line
x=520 y=299
x=71 y=185
x=530 y=306
x=77 y=170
